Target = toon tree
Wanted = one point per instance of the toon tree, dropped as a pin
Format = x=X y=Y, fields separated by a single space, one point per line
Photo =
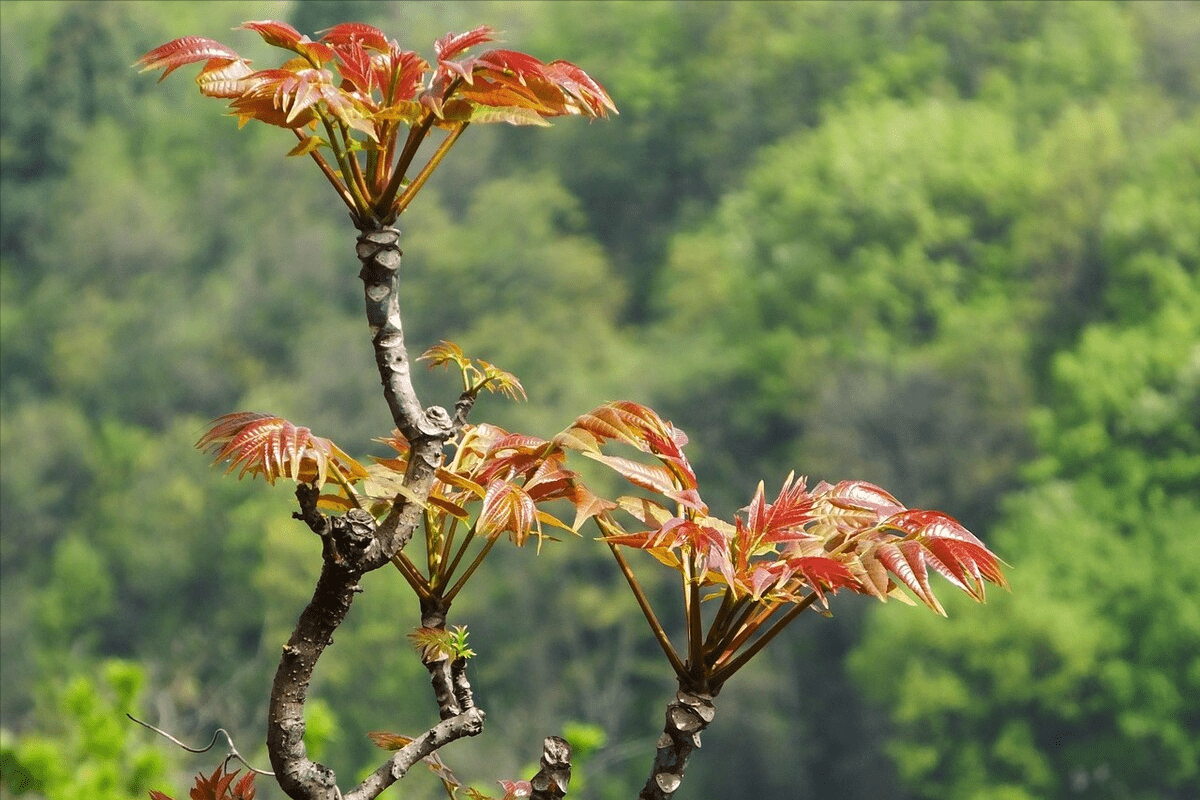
x=377 y=120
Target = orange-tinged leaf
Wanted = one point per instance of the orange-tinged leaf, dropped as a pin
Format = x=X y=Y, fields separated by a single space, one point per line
x=444 y=353
x=508 y=92
x=267 y=445
x=450 y=478
x=335 y=503
x=274 y=33
x=225 y=79
x=648 y=476
x=394 y=741
x=307 y=145
x=387 y=740
x=454 y=509
x=507 y=509
x=645 y=511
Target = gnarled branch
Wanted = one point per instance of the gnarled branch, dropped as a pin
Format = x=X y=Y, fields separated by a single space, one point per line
x=354 y=544
x=687 y=715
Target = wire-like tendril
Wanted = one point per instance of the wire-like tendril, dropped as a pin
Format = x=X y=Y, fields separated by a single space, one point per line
x=233 y=751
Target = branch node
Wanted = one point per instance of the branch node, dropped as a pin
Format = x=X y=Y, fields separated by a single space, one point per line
x=552 y=780
x=436 y=423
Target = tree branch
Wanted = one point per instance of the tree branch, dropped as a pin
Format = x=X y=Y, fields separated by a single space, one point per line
x=354 y=544
x=298 y=776
x=688 y=715
x=469 y=723
x=426 y=429
x=551 y=781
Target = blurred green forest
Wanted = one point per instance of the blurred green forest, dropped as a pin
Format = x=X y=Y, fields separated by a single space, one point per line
x=950 y=248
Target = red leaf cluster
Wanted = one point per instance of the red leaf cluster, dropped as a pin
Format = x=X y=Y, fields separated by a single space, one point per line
x=852 y=535
x=361 y=88
x=218 y=786
x=356 y=75
x=271 y=446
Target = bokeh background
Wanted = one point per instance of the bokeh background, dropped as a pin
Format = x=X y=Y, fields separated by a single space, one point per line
x=949 y=247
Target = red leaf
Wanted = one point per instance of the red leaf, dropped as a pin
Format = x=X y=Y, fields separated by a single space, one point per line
x=356 y=67
x=820 y=573
x=587 y=505
x=507 y=508
x=636 y=425
x=906 y=560
x=186 y=50
x=271 y=446
x=281 y=34
x=593 y=99
x=781 y=520
x=960 y=556
x=862 y=496
x=648 y=476
x=452 y=44
x=245 y=787
x=347 y=32
x=275 y=33
x=404 y=70
x=511 y=62
x=216 y=787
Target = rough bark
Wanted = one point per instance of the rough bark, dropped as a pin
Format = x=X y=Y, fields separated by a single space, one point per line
x=346 y=544
x=354 y=544
x=427 y=429
x=551 y=781
x=687 y=716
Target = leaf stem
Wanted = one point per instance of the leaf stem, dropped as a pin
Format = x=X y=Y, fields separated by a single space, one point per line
x=739 y=629
x=691 y=607
x=723 y=672
x=412 y=575
x=462 y=551
x=345 y=484
x=352 y=159
x=454 y=590
x=448 y=542
x=644 y=604
x=722 y=626
x=361 y=208
x=411 y=190
x=330 y=175
x=416 y=136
